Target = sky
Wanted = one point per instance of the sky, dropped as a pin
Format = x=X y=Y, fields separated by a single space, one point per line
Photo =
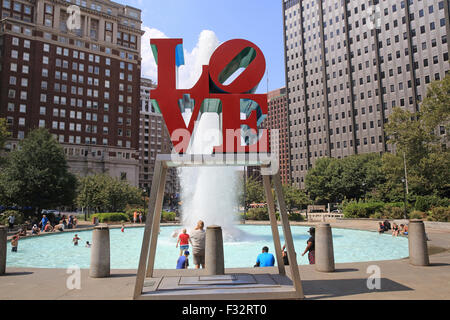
x=205 y=24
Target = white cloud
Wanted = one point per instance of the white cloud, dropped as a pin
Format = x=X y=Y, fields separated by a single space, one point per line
x=148 y=66
x=194 y=60
x=199 y=56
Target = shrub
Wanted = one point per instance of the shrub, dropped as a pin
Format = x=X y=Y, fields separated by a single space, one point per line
x=111 y=217
x=296 y=217
x=393 y=211
x=20 y=219
x=440 y=214
x=425 y=203
x=377 y=216
x=258 y=214
x=168 y=216
x=362 y=209
x=418 y=215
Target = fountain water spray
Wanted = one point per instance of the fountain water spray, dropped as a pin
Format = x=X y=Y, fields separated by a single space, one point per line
x=210 y=194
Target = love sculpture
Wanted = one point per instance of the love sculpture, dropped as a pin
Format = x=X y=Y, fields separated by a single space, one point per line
x=211 y=94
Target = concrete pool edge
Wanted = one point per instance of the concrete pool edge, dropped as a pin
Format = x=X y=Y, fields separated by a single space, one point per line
x=400 y=280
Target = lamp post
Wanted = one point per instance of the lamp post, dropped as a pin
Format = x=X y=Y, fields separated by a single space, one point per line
x=405 y=214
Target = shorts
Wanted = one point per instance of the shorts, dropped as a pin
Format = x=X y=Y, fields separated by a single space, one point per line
x=14 y=249
x=199 y=258
x=312 y=257
x=184 y=247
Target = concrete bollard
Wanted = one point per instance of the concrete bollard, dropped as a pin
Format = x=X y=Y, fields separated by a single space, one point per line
x=324 y=248
x=100 y=253
x=418 y=248
x=214 y=259
x=3 y=248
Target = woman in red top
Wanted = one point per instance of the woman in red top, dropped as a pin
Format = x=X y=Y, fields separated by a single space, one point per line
x=183 y=241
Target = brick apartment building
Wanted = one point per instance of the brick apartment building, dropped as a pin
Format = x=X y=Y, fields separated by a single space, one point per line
x=81 y=84
x=277 y=119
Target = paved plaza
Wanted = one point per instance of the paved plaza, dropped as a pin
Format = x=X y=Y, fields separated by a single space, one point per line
x=399 y=279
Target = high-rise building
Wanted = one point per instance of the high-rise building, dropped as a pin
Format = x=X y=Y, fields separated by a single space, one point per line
x=74 y=67
x=349 y=63
x=154 y=139
x=277 y=119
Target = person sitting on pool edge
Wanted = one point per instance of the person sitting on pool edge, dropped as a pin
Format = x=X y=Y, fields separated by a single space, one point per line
x=265 y=259
x=404 y=229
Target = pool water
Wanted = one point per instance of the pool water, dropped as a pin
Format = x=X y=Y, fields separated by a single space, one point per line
x=58 y=251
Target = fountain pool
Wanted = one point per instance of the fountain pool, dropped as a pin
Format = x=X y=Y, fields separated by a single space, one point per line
x=57 y=251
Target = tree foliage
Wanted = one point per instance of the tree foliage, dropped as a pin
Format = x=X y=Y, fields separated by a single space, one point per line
x=4 y=133
x=36 y=174
x=106 y=194
x=333 y=180
x=418 y=137
x=295 y=198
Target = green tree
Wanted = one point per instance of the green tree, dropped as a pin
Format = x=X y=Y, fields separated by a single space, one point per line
x=104 y=193
x=317 y=181
x=333 y=180
x=435 y=108
x=4 y=133
x=36 y=174
x=254 y=192
x=295 y=198
x=417 y=136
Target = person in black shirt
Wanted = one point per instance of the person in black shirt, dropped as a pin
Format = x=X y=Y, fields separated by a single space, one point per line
x=310 y=248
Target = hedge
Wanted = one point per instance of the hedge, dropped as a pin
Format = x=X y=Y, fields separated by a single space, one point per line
x=262 y=214
x=426 y=203
x=258 y=214
x=362 y=209
x=111 y=217
x=168 y=216
x=440 y=214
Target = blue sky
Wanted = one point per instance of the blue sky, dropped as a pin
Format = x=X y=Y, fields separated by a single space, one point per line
x=259 y=21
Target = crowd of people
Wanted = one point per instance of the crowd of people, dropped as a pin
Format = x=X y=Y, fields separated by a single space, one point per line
x=397 y=230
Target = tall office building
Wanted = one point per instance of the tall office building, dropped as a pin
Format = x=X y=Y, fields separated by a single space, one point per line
x=349 y=63
x=74 y=67
x=154 y=139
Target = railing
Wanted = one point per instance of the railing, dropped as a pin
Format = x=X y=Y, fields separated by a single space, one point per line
x=322 y=216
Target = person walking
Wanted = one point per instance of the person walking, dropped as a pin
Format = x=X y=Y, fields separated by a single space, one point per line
x=183 y=241
x=198 y=237
x=11 y=220
x=310 y=248
x=44 y=222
